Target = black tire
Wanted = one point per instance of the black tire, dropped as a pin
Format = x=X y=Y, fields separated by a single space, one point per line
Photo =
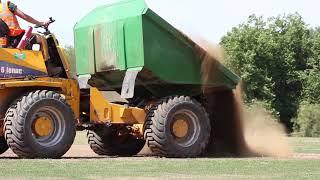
x=161 y=136
x=3 y=145
x=20 y=125
x=106 y=142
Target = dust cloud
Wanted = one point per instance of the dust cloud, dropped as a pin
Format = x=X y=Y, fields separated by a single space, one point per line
x=264 y=135
x=237 y=131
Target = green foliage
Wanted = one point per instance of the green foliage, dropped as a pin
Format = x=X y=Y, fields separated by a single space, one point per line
x=311 y=76
x=308 y=121
x=270 y=56
x=70 y=53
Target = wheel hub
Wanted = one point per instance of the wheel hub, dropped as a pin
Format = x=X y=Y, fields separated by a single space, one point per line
x=43 y=127
x=180 y=128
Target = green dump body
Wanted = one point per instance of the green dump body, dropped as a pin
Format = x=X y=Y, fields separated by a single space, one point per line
x=128 y=36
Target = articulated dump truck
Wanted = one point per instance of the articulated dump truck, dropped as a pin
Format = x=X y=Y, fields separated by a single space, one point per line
x=138 y=83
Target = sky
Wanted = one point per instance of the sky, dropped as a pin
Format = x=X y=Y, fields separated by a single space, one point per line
x=210 y=19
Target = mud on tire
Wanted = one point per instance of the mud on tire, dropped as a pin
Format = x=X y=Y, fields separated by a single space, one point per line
x=25 y=134
x=177 y=127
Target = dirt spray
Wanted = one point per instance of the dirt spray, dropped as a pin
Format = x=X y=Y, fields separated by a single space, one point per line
x=264 y=135
x=236 y=131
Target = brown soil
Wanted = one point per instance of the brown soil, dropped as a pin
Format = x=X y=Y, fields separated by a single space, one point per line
x=83 y=151
x=75 y=151
x=236 y=131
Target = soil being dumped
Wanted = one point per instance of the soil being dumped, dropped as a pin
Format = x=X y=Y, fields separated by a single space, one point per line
x=237 y=131
x=264 y=135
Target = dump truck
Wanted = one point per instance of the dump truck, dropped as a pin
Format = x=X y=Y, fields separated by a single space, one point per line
x=138 y=82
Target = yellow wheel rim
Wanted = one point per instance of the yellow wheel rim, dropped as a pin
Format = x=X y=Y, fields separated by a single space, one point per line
x=180 y=128
x=43 y=126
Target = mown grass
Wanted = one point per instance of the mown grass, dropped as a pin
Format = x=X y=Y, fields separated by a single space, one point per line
x=161 y=168
x=306 y=145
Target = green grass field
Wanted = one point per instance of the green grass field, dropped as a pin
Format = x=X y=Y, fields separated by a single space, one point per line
x=159 y=168
x=306 y=145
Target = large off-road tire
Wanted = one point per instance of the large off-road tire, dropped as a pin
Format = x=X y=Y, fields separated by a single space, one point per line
x=40 y=125
x=177 y=127
x=107 y=142
x=3 y=145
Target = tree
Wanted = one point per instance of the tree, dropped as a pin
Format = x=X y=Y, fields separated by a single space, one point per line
x=311 y=76
x=307 y=123
x=270 y=56
x=70 y=53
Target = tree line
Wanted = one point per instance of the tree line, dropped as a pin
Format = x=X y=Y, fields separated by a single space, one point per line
x=278 y=59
